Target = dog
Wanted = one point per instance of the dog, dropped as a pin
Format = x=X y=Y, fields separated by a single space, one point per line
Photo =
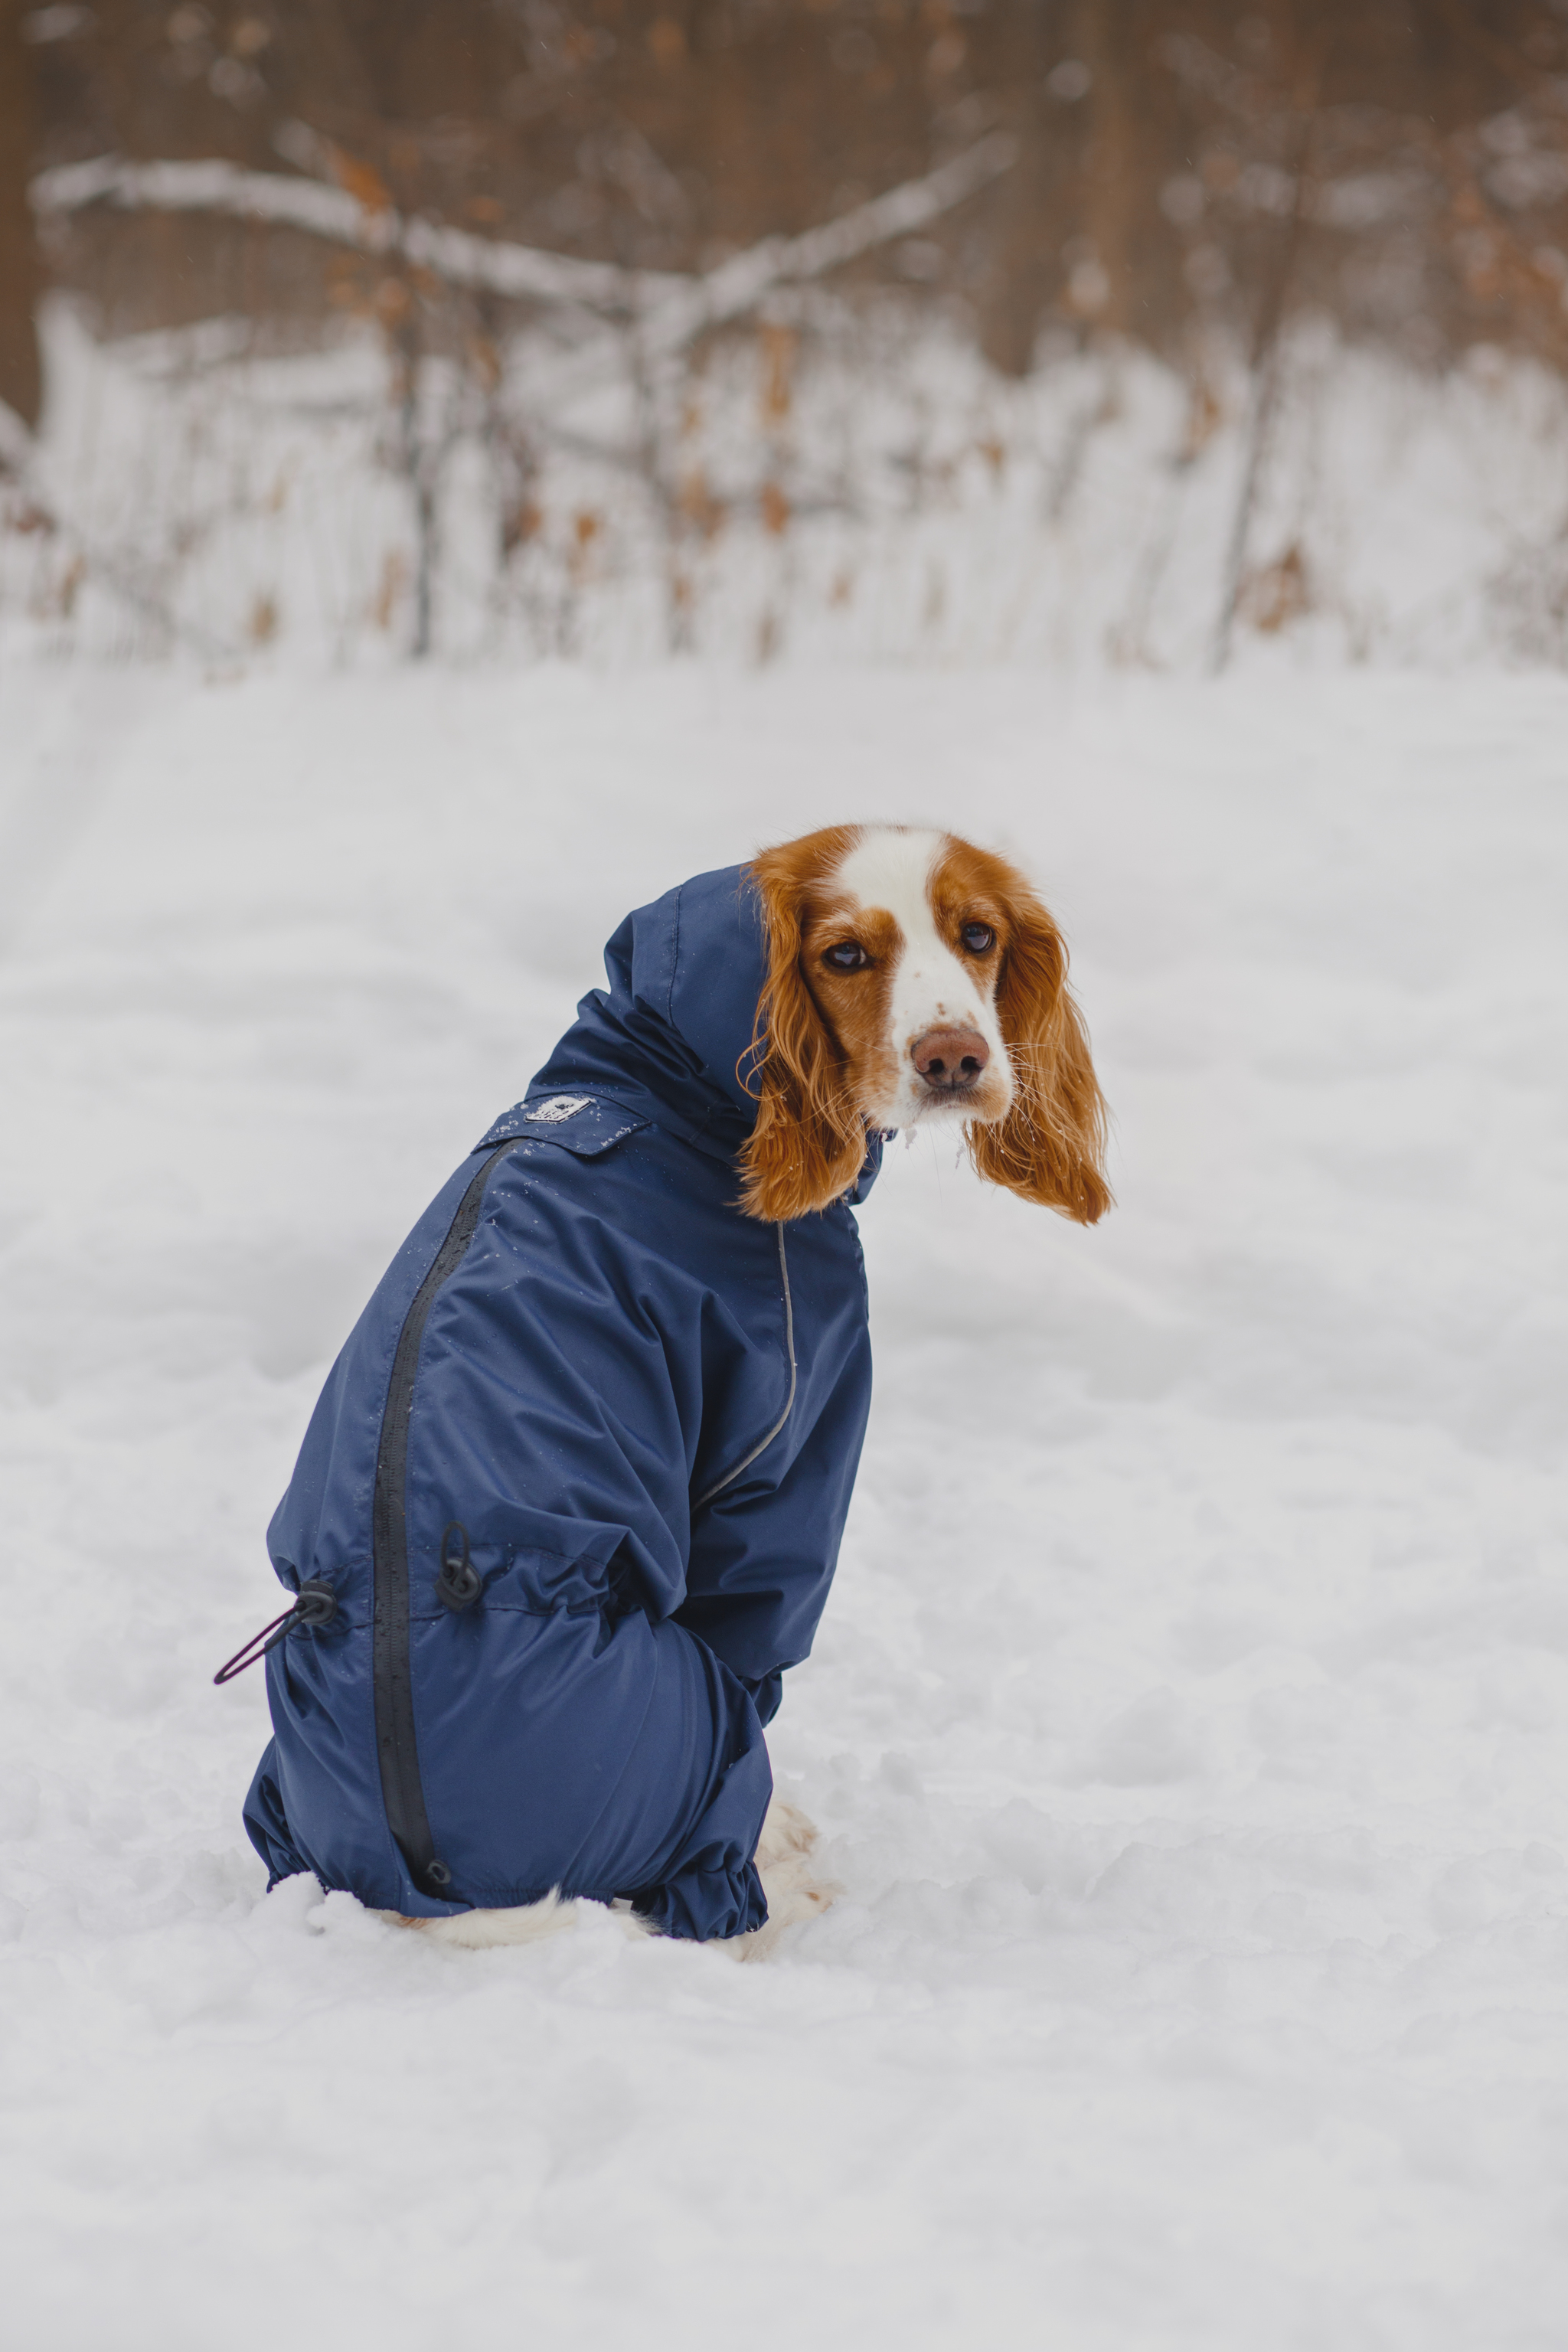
x=571 y=1502
x=914 y=979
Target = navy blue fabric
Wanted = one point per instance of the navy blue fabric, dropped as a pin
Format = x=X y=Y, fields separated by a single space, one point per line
x=610 y=1349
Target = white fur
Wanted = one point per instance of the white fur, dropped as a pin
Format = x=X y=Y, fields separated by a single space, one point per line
x=521 y=1922
x=931 y=988
x=792 y=1892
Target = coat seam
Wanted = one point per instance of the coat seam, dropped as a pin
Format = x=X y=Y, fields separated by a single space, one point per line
x=674 y=958
x=762 y=1443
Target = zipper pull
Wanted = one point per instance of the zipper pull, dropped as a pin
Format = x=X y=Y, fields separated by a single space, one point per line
x=458 y=1586
x=317 y=1605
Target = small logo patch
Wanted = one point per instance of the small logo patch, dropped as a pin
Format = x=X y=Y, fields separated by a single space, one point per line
x=557 y=1107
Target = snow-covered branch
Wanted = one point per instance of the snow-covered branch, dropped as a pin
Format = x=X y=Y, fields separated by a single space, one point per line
x=279 y=200
x=672 y=309
x=739 y=284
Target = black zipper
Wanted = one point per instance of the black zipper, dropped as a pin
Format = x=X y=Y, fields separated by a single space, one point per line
x=398 y=1749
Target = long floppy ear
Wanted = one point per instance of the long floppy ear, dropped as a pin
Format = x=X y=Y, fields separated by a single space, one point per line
x=810 y=1140
x=1050 y=1148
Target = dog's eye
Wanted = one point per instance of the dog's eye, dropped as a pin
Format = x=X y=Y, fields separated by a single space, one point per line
x=978 y=938
x=846 y=955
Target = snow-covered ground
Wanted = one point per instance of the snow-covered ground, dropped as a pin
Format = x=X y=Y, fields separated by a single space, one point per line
x=1189 y=1726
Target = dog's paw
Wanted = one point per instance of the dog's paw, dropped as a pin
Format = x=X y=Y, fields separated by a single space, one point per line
x=785 y=1831
x=795 y=1894
x=482 y=1931
x=521 y=1922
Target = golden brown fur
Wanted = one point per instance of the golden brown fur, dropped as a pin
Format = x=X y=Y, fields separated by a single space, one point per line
x=822 y=1051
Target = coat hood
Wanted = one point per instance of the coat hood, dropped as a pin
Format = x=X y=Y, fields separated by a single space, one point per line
x=669 y=1038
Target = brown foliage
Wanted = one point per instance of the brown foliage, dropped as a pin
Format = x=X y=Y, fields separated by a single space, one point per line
x=1158 y=142
x=20 y=385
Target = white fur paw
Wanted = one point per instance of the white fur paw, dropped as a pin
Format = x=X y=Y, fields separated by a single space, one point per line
x=785 y=1831
x=520 y=1923
x=795 y=1894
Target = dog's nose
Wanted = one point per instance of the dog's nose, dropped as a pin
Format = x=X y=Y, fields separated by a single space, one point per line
x=950 y=1060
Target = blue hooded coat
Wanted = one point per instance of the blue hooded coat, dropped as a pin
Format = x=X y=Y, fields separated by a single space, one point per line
x=576 y=1485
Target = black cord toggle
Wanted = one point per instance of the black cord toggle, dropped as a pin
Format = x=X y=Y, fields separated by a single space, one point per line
x=317 y=1605
x=458 y=1586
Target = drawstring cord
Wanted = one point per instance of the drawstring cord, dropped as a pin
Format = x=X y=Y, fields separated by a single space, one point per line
x=317 y=1605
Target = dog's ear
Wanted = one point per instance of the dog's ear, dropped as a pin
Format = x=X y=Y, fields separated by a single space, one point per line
x=1050 y=1148
x=810 y=1139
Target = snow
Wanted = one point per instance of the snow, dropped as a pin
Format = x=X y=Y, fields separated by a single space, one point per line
x=1189 y=1724
x=839 y=485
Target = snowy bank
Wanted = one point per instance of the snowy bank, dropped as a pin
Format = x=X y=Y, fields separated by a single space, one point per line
x=837 y=483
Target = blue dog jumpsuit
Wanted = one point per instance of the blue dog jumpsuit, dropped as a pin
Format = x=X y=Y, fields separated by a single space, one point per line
x=575 y=1485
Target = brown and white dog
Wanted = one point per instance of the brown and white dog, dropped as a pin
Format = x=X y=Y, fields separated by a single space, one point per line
x=911 y=979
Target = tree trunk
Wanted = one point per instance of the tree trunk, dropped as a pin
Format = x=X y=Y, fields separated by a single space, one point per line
x=21 y=383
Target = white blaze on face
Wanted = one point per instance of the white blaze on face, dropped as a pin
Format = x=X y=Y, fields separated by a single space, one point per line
x=931 y=988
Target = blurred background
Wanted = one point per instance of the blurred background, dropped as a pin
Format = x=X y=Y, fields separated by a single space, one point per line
x=1064 y=331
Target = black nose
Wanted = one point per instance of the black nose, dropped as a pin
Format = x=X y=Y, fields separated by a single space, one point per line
x=950 y=1060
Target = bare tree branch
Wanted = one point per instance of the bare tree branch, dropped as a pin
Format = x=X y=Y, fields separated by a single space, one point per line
x=674 y=311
